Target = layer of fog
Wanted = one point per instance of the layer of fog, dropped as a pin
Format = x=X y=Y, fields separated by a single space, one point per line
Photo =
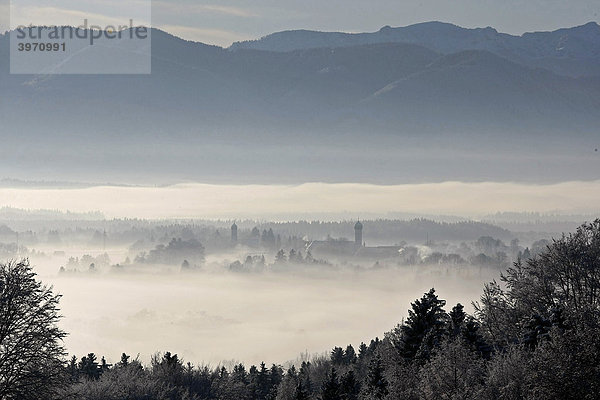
x=213 y=315
x=289 y=201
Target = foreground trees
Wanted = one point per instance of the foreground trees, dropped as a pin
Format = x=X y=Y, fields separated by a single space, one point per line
x=559 y=288
x=31 y=349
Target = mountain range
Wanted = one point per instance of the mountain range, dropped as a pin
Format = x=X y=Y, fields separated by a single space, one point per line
x=570 y=52
x=430 y=101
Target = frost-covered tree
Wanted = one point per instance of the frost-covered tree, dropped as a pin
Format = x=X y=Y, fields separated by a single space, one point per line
x=31 y=343
x=424 y=327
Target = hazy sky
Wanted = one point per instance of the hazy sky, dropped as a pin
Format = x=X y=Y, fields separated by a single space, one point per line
x=222 y=22
x=279 y=201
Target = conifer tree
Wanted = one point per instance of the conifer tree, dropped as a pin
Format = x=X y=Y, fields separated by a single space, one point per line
x=457 y=317
x=424 y=327
x=331 y=387
x=376 y=385
x=301 y=392
x=337 y=356
x=349 y=386
x=349 y=355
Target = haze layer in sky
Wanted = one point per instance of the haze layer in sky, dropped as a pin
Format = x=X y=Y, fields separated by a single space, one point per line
x=288 y=201
x=223 y=22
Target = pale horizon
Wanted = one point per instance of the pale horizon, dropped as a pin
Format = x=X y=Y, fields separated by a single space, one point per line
x=284 y=202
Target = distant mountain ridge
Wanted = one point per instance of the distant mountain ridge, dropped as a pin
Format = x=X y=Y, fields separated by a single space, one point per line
x=569 y=51
x=375 y=112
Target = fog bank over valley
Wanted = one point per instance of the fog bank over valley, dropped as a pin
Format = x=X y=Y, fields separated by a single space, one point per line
x=217 y=291
x=308 y=201
x=223 y=316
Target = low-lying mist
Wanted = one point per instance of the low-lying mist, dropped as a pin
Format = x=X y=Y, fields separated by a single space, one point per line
x=250 y=291
x=213 y=315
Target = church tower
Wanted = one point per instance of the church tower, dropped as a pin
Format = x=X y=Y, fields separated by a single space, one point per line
x=358 y=238
x=234 y=237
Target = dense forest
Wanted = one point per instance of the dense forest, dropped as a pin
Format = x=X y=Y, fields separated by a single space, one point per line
x=534 y=334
